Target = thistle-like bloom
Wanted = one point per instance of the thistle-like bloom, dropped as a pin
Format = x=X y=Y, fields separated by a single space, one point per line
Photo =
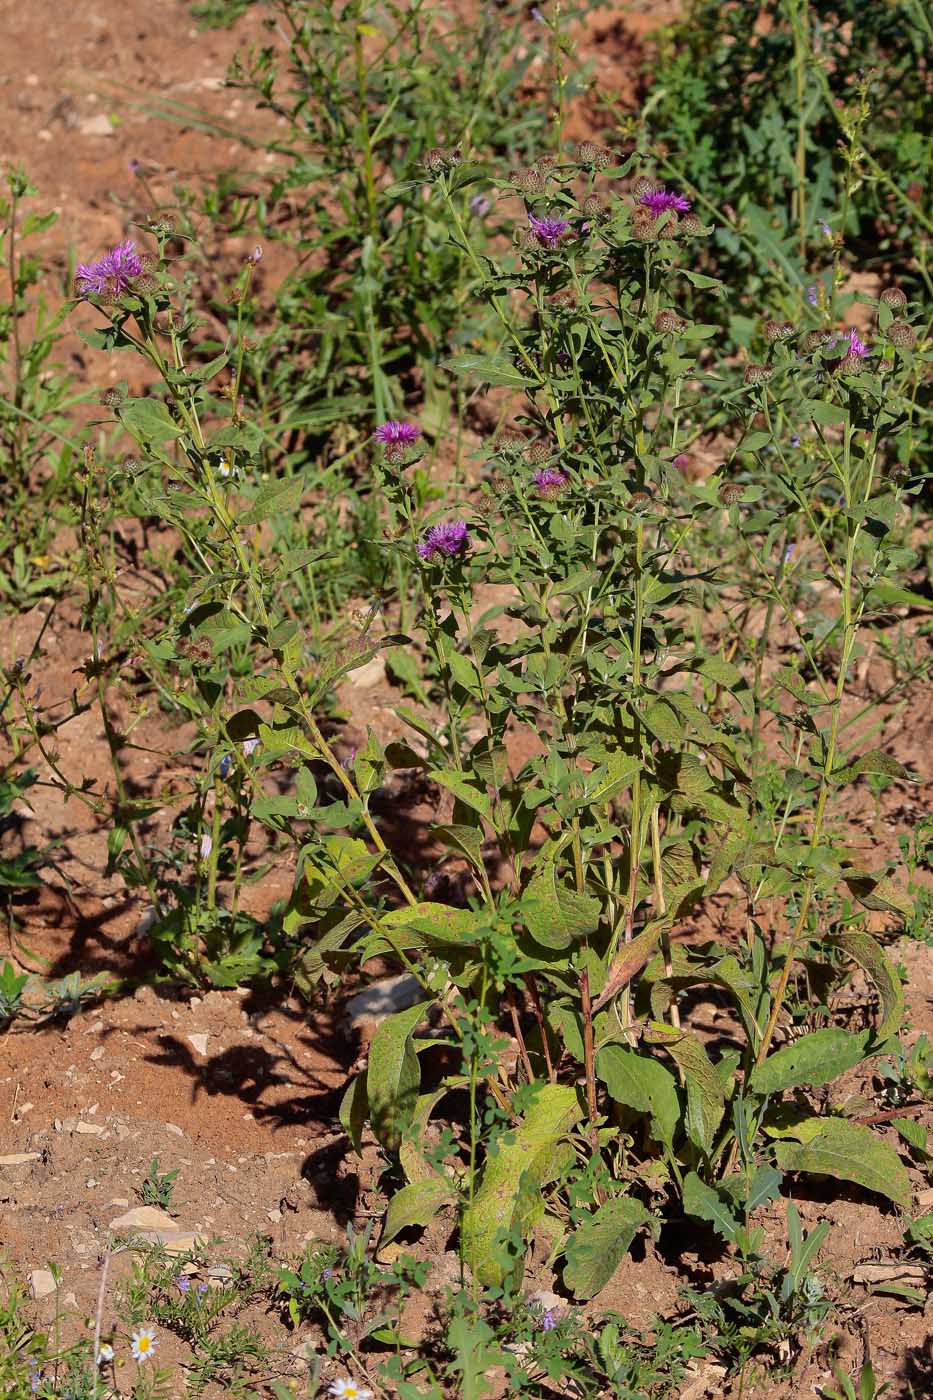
x=450 y=538
x=856 y=346
x=660 y=201
x=549 y=231
x=394 y=431
x=112 y=274
x=551 y=482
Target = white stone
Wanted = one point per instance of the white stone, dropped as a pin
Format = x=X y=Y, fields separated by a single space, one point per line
x=382 y=999
x=42 y=1283
x=19 y=1159
x=99 y=125
x=199 y=1040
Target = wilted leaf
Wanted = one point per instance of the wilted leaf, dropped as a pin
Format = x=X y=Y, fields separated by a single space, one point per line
x=393 y=1076
x=598 y=1245
x=416 y=1204
x=850 y=1152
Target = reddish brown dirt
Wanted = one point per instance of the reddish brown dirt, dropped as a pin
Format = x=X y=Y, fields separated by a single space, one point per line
x=249 y=1118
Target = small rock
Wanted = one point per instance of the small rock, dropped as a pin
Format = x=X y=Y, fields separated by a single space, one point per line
x=97 y=1054
x=100 y=125
x=222 y=1271
x=373 y=672
x=382 y=999
x=19 y=1159
x=157 y=1226
x=274 y=1215
x=42 y=1283
x=199 y=1040
x=174 y=1128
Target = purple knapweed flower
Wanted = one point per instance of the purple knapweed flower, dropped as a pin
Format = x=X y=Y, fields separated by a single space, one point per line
x=551 y=482
x=856 y=346
x=449 y=538
x=549 y=231
x=659 y=201
x=113 y=273
x=183 y=1283
x=394 y=431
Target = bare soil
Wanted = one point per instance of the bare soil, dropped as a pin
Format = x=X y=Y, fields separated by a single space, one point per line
x=238 y=1093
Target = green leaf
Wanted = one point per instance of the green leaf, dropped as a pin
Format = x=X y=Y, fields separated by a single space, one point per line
x=644 y=1084
x=706 y=1203
x=705 y=1098
x=517 y=1165
x=864 y=950
x=461 y=787
x=274 y=498
x=555 y=915
x=465 y=839
x=416 y=1204
x=354 y=1110
x=875 y=761
x=850 y=1152
x=829 y=415
x=818 y=1058
x=393 y=1076
x=488 y=371
x=612 y=777
x=599 y=1244
x=878 y=892
x=149 y=421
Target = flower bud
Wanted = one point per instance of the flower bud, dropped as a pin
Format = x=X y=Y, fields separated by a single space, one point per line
x=779 y=330
x=850 y=364
x=899 y=473
x=643 y=186
x=901 y=334
x=112 y=398
x=564 y=300
x=757 y=374
x=644 y=225
x=668 y=322
x=692 y=226
x=587 y=152
x=893 y=297
x=729 y=493
x=538 y=452
x=435 y=161
x=499 y=484
x=594 y=208
x=639 y=500
x=812 y=340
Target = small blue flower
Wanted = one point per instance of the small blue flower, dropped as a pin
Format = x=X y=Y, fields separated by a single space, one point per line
x=813 y=295
x=795 y=439
x=225 y=767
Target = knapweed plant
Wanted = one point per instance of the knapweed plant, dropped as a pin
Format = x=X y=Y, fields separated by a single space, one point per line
x=639 y=723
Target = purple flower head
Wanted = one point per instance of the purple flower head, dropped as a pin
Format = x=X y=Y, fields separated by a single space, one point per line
x=449 y=538
x=856 y=346
x=225 y=767
x=813 y=295
x=480 y=206
x=659 y=201
x=550 y=1319
x=113 y=273
x=826 y=228
x=788 y=554
x=328 y=1273
x=394 y=431
x=184 y=1284
x=550 y=481
x=795 y=439
x=549 y=231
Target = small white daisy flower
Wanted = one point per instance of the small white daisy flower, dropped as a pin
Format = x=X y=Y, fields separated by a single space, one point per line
x=144 y=1344
x=105 y=1353
x=349 y=1390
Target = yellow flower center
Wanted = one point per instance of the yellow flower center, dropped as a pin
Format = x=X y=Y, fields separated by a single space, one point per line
x=144 y=1344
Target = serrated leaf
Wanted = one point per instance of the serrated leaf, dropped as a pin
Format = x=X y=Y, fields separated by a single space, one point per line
x=149 y=421
x=416 y=1204
x=393 y=1076
x=849 y=1152
x=817 y=1058
x=517 y=1164
x=599 y=1244
x=644 y=1084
